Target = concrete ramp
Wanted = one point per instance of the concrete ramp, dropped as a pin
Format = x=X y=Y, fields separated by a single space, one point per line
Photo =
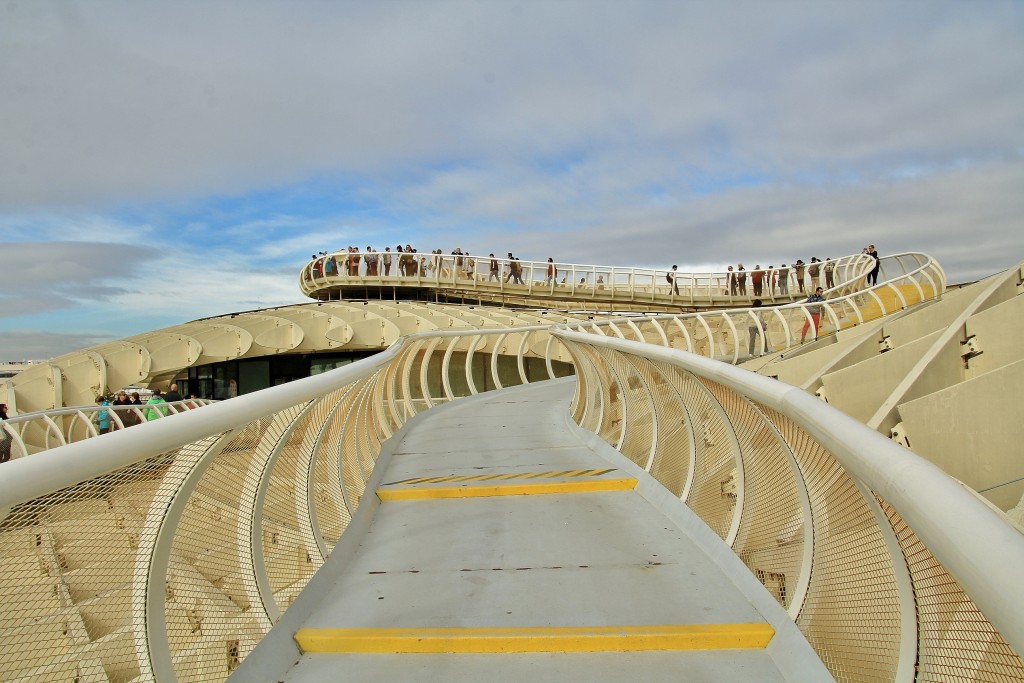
x=500 y=541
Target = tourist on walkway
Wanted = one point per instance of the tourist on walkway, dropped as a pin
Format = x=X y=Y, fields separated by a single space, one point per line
x=517 y=271
x=103 y=416
x=121 y=400
x=732 y=282
x=741 y=280
x=552 y=274
x=172 y=394
x=371 y=260
x=403 y=261
x=671 y=277
x=386 y=258
x=784 y=280
x=758 y=326
x=757 y=279
x=156 y=412
x=813 y=270
x=828 y=268
x=798 y=268
x=494 y=273
x=815 y=313
x=873 y=275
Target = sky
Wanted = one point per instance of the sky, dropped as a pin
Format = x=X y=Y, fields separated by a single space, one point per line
x=166 y=161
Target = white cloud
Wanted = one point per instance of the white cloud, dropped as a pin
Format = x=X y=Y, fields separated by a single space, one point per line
x=623 y=133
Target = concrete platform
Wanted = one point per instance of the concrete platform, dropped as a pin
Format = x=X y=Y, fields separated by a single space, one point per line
x=543 y=565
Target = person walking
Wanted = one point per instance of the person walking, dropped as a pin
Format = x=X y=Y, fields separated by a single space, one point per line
x=783 y=280
x=552 y=274
x=386 y=260
x=494 y=273
x=815 y=313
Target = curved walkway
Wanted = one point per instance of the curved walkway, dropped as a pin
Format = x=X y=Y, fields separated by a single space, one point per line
x=505 y=543
x=592 y=287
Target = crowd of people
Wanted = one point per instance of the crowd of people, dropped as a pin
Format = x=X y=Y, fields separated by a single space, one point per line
x=409 y=262
x=758 y=328
x=771 y=280
x=817 y=275
x=403 y=261
x=156 y=407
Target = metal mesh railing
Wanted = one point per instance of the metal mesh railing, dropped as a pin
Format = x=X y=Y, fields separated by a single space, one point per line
x=774 y=478
x=737 y=334
x=38 y=431
x=167 y=551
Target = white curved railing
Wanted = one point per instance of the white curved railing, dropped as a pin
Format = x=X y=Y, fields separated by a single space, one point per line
x=735 y=335
x=169 y=549
x=596 y=283
x=44 y=429
x=887 y=564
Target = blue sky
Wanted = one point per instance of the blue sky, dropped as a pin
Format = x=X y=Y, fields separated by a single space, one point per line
x=161 y=162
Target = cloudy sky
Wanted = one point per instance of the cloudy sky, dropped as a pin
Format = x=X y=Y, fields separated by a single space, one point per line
x=164 y=161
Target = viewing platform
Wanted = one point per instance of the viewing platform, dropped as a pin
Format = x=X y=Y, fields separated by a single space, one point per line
x=486 y=280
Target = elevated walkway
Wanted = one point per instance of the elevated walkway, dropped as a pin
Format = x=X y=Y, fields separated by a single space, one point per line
x=505 y=542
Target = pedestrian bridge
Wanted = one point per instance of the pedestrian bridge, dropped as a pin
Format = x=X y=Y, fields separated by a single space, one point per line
x=792 y=542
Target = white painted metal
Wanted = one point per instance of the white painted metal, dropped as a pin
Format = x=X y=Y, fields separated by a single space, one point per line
x=972 y=541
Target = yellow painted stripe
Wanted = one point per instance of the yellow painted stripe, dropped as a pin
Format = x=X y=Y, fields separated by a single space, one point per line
x=535 y=639
x=508 y=475
x=486 y=490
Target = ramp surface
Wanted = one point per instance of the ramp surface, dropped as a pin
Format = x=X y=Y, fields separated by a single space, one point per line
x=506 y=546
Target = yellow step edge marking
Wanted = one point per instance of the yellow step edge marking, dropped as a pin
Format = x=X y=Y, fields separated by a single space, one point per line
x=535 y=639
x=487 y=490
x=508 y=475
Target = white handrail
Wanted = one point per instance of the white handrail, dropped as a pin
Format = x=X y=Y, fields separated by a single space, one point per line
x=27 y=478
x=83 y=422
x=973 y=542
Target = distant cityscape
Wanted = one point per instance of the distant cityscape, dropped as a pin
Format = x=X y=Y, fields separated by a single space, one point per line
x=13 y=367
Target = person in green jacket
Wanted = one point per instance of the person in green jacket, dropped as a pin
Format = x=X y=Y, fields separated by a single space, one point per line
x=155 y=413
